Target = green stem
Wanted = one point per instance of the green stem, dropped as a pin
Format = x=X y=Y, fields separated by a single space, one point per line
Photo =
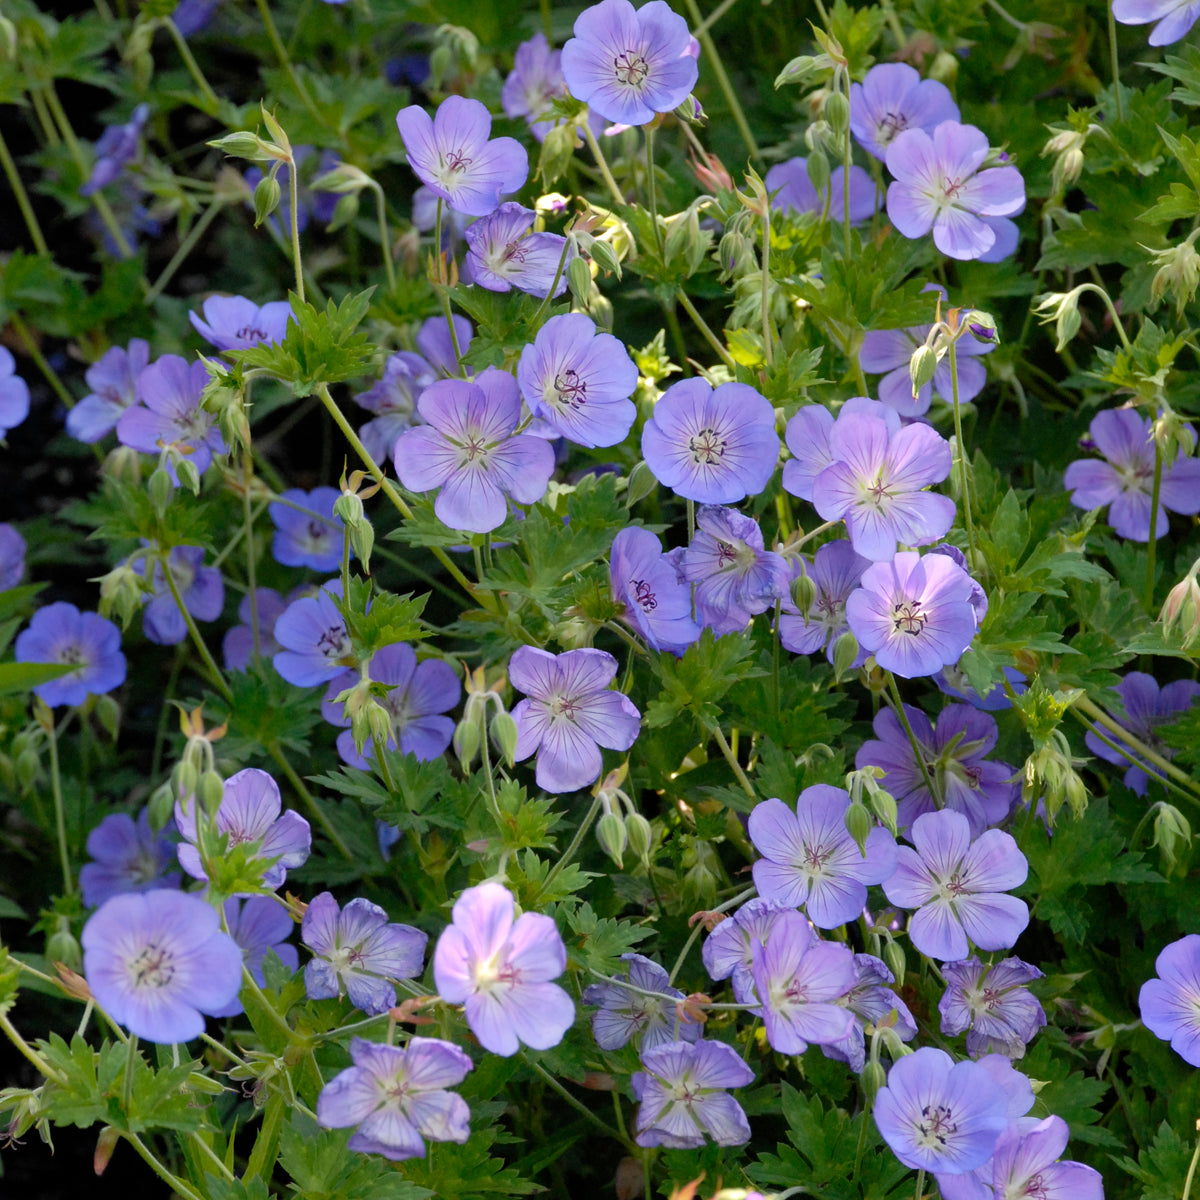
x=713 y=58
x=211 y=1155
x=440 y=286
x=920 y=1190
x=218 y=679
x=601 y=163
x=580 y=1107
x=48 y=372
x=1112 y=310
x=251 y=565
x=864 y=1116
x=28 y=1052
x=60 y=820
x=714 y=16
x=131 y=1056
x=902 y=716
x=284 y=60
x=189 y=61
x=1116 y=75
x=159 y=1169
x=972 y=561
x=652 y=192
x=14 y=181
x=1152 y=544
x=385 y=238
x=276 y=752
x=576 y=842
x=294 y=192
x=767 y=330
x=1093 y=710
x=197 y=231
x=702 y=325
x=1128 y=756
x=734 y=765
x=1191 y=1171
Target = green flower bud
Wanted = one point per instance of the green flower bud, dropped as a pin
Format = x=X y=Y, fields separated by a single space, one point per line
x=121 y=594
x=28 y=768
x=266 y=198
x=837 y=113
x=642 y=483
x=611 y=834
x=818 y=170
x=640 y=834
x=161 y=490
x=605 y=257
x=859 y=825
x=883 y=805
x=558 y=148
x=897 y=963
x=845 y=651
x=185 y=777
x=804 y=592
x=921 y=367
x=108 y=713
x=212 y=791
x=62 y=946
x=344 y=212
x=944 y=68
x=242 y=145
x=579 y=280
x=801 y=69
x=1172 y=836
x=161 y=806
x=467 y=736
x=342 y=180
x=872 y=1079
x=189 y=477
x=505 y=734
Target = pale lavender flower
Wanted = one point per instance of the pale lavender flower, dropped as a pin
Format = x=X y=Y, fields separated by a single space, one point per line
x=113 y=380
x=717 y=446
x=877 y=483
x=533 y=85
x=312 y=632
x=116 y=148
x=657 y=603
x=437 y=347
x=835 y=572
x=235 y=323
x=14 y=393
x=914 y=614
x=259 y=925
x=192 y=16
x=938 y=1115
x=1170 y=1002
x=417 y=695
x=728 y=951
x=307 y=533
x=953 y=681
x=629 y=64
x=12 y=557
x=735 y=577
x=892 y=98
x=938 y=185
x=872 y=1002
x=798 y=979
x=958 y=887
x=469 y=449
x=127 y=856
x=397 y=1097
x=60 y=633
x=169 y=414
x=1125 y=481
x=808 y=436
x=569 y=714
x=156 y=961
x=1175 y=17
x=251 y=812
x=500 y=970
x=954 y=751
x=393 y=400
x=989 y=1003
x=504 y=253
x=792 y=190
x=238 y=644
x=200 y=588
x=579 y=382
x=454 y=224
x=452 y=155
x=810 y=860
x=356 y=951
x=1025 y=1164
x=682 y=1093
x=624 y=1015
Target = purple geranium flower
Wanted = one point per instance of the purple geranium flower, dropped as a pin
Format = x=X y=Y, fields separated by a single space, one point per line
x=397 y=1097
x=417 y=695
x=470 y=451
x=872 y=1002
x=14 y=394
x=937 y=186
x=958 y=887
x=312 y=632
x=128 y=856
x=394 y=401
x=798 y=979
x=1170 y=1002
x=914 y=614
x=735 y=577
x=258 y=924
x=192 y=16
x=533 y=85
x=791 y=189
x=624 y=1015
x=452 y=155
x=437 y=347
x=629 y=64
x=113 y=380
x=235 y=323
x=1125 y=482
x=810 y=860
x=682 y=1093
x=1175 y=17
x=717 y=446
x=570 y=713
x=200 y=588
x=892 y=98
x=116 y=148
x=504 y=253
x=307 y=533
x=169 y=414
x=579 y=382
x=250 y=812
x=808 y=436
x=953 y=681
x=998 y=1014
x=728 y=951
x=238 y=644
x=877 y=483
x=60 y=633
x=657 y=603
x=835 y=571
x=939 y=1115
x=1147 y=706
x=357 y=951
x=954 y=753
x=12 y=557
x=1025 y=1163
x=155 y=961
x=500 y=970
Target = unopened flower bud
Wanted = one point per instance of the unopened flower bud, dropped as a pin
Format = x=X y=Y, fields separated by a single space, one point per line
x=63 y=946
x=883 y=804
x=1172 y=836
x=161 y=806
x=897 y=963
x=1182 y=608
x=872 y=1079
x=106 y=1143
x=612 y=836
x=161 y=490
x=837 y=113
x=845 y=651
x=189 y=476
x=505 y=734
x=124 y=464
x=1178 y=272
x=241 y=145
x=108 y=713
x=944 y=68
x=28 y=768
x=579 y=280
x=859 y=825
x=467 y=736
x=267 y=194
x=185 y=777
x=212 y=791
x=818 y=170
x=640 y=835
x=642 y=482
x=690 y=112
x=921 y=367
x=121 y=594
x=804 y=592
x=605 y=257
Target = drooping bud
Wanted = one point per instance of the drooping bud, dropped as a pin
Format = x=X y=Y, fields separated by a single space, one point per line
x=873 y=1078
x=161 y=490
x=897 y=963
x=1172 y=836
x=845 y=651
x=267 y=194
x=921 y=367
x=212 y=791
x=63 y=946
x=579 y=280
x=106 y=1143
x=612 y=836
x=859 y=825
x=505 y=734
x=108 y=713
x=1182 y=608
x=837 y=113
x=804 y=593
x=642 y=482
x=640 y=834
x=161 y=806
x=121 y=593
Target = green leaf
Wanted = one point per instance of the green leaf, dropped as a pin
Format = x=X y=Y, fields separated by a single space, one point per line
x=1162 y=1167
x=599 y=942
x=696 y=681
x=23 y=676
x=375 y=619
x=1179 y=203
